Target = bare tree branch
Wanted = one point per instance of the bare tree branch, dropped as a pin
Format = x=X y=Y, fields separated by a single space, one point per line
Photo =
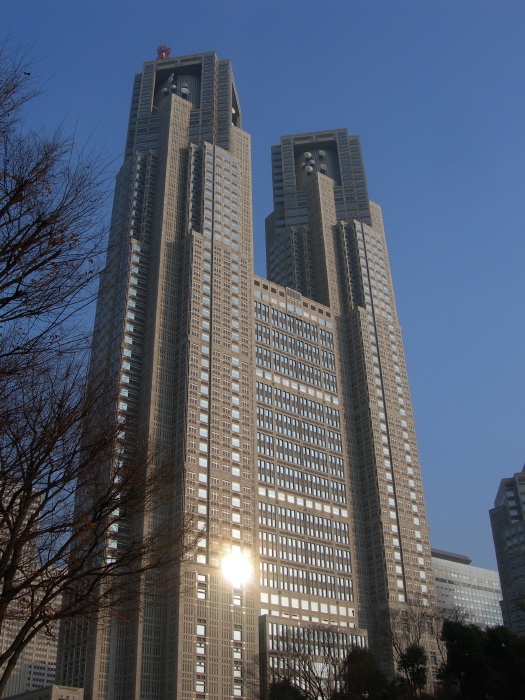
x=18 y=81
x=76 y=511
x=312 y=659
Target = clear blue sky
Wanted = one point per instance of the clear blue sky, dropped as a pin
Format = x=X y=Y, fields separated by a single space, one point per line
x=435 y=88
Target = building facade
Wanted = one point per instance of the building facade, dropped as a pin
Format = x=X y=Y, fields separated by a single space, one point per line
x=463 y=590
x=283 y=404
x=36 y=666
x=507 y=519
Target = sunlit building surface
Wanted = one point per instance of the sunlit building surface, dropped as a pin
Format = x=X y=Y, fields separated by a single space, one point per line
x=466 y=592
x=508 y=530
x=283 y=404
x=36 y=666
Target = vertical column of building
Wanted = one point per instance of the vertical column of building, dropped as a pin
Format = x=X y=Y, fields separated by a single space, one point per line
x=395 y=530
x=208 y=626
x=288 y=246
x=216 y=633
x=396 y=537
x=289 y=254
x=142 y=641
x=88 y=647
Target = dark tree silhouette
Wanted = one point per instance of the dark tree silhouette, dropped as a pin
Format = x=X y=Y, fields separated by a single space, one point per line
x=284 y=690
x=413 y=667
x=361 y=677
x=483 y=663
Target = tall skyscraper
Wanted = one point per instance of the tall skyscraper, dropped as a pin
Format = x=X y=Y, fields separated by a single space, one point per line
x=282 y=404
x=507 y=519
x=326 y=240
x=174 y=335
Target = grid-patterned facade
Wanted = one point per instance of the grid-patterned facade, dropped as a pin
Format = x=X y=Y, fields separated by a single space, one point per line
x=282 y=405
x=463 y=589
x=306 y=540
x=303 y=487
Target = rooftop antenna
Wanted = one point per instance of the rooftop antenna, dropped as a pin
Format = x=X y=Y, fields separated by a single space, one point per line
x=163 y=51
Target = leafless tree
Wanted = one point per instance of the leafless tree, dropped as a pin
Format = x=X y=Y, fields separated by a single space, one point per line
x=312 y=659
x=411 y=626
x=458 y=613
x=16 y=85
x=414 y=624
x=52 y=226
x=77 y=510
x=74 y=510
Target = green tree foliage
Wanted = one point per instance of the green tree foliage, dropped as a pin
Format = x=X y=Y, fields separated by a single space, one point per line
x=483 y=664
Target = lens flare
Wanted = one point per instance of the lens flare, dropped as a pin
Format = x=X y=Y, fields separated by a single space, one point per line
x=236 y=569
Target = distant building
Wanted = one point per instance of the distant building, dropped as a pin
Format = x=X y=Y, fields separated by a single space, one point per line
x=507 y=520
x=467 y=589
x=36 y=665
x=50 y=692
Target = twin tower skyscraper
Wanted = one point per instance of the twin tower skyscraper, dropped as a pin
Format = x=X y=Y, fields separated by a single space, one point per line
x=282 y=404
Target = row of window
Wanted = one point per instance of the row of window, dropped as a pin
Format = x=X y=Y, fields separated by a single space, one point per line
x=295 y=480
x=300 y=430
x=294 y=346
x=292 y=452
x=294 y=368
x=298 y=404
x=326 y=641
x=309 y=524
x=304 y=581
x=293 y=325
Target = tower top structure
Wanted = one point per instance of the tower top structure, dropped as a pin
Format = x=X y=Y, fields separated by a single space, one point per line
x=163 y=51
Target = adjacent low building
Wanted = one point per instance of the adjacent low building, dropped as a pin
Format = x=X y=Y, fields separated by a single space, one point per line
x=50 y=692
x=508 y=530
x=466 y=590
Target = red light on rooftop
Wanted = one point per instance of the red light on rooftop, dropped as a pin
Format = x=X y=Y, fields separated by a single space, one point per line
x=163 y=51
